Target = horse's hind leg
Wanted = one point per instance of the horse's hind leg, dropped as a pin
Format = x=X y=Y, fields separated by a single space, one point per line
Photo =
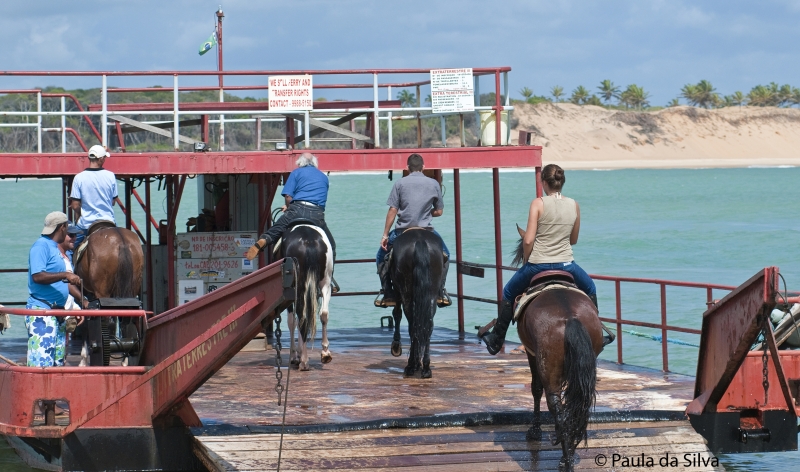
x=292 y=321
x=323 y=316
x=561 y=430
x=425 y=344
x=414 y=349
x=397 y=346
x=535 y=431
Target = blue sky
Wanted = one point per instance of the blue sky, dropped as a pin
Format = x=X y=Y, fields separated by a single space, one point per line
x=660 y=45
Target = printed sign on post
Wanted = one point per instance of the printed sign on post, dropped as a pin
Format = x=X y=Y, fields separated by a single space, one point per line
x=291 y=93
x=452 y=91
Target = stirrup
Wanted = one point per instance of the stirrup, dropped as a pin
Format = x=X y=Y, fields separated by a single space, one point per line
x=443 y=299
x=382 y=302
x=609 y=337
x=334 y=286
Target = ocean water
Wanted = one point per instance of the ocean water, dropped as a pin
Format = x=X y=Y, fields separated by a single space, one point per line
x=703 y=225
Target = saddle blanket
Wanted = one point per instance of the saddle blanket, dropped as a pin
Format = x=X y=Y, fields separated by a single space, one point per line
x=524 y=299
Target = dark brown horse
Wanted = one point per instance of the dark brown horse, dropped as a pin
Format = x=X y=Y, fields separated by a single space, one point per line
x=562 y=335
x=111 y=263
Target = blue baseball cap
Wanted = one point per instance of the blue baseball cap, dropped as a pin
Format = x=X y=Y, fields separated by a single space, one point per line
x=72 y=229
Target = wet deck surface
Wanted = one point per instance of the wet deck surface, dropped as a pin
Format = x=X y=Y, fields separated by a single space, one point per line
x=364 y=387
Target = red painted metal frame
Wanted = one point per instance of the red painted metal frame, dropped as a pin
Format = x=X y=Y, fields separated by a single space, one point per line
x=254 y=162
x=232 y=107
x=183 y=347
x=170 y=73
x=730 y=328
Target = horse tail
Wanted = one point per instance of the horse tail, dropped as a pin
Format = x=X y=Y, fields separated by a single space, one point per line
x=421 y=300
x=579 y=380
x=123 y=278
x=310 y=294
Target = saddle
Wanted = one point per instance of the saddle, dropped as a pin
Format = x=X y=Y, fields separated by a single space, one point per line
x=542 y=282
x=94 y=228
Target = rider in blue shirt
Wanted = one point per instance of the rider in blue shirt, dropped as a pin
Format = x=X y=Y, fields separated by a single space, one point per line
x=93 y=193
x=305 y=193
x=46 y=284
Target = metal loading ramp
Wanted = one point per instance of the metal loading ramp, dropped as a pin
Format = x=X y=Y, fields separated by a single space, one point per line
x=138 y=416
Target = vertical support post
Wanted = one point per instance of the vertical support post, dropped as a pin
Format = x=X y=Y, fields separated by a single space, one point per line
x=477 y=89
x=307 y=131
x=171 y=295
x=63 y=125
x=204 y=131
x=176 y=143
x=664 y=350
x=709 y=296
x=497 y=107
x=376 y=115
x=353 y=142
x=258 y=134
x=120 y=136
x=389 y=118
x=104 y=116
x=262 y=208
x=220 y=16
x=507 y=102
x=419 y=122
x=619 y=320
x=39 y=122
x=290 y=132
x=149 y=248
x=538 y=171
x=459 y=251
x=461 y=130
x=444 y=130
x=498 y=241
x=128 y=191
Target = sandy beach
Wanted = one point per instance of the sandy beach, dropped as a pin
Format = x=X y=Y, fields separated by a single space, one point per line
x=591 y=137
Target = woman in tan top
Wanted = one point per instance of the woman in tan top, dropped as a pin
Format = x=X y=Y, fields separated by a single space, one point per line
x=554 y=222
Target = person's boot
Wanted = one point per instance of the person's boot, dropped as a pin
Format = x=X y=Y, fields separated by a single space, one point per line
x=496 y=337
x=386 y=297
x=443 y=299
x=609 y=337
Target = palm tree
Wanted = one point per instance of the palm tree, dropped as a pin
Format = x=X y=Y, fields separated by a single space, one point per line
x=608 y=90
x=785 y=95
x=737 y=98
x=760 y=96
x=706 y=95
x=407 y=99
x=557 y=92
x=594 y=100
x=674 y=103
x=795 y=96
x=635 y=96
x=579 y=95
x=689 y=92
x=526 y=93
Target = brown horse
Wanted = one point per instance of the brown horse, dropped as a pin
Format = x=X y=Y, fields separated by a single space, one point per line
x=111 y=263
x=562 y=335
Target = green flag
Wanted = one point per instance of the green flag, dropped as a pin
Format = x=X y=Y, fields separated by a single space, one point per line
x=210 y=43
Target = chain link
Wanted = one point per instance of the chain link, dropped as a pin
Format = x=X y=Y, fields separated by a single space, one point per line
x=278 y=361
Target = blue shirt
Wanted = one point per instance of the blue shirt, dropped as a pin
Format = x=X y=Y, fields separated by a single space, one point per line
x=45 y=257
x=96 y=189
x=307 y=184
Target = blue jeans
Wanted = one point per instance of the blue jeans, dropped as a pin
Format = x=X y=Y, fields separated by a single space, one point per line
x=522 y=279
x=393 y=234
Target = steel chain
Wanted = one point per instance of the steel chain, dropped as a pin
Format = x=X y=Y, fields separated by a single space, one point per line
x=765 y=370
x=278 y=361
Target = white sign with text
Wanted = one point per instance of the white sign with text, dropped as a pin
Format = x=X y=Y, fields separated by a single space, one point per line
x=452 y=90
x=291 y=93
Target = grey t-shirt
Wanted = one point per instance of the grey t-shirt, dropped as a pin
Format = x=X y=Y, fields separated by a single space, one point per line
x=414 y=196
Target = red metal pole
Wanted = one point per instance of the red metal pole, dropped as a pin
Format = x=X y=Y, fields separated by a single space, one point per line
x=498 y=241
x=170 y=244
x=148 y=247
x=120 y=136
x=538 y=182
x=145 y=207
x=664 y=353
x=220 y=16
x=619 y=321
x=129 y=212
x=459 y=252
x=497 y=113
x=262 y=209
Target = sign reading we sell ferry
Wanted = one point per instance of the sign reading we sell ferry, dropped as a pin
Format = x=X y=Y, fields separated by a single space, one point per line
x=291 y=93
x=452 y=90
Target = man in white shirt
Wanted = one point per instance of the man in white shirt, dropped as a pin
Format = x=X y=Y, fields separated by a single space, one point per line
x=93 y=193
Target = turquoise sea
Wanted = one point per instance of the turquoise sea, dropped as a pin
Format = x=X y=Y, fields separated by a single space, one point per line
x=703 y=225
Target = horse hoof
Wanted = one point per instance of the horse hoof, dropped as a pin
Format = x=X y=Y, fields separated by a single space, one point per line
x=326 y=357
x=295 y=362
x=426 y=373
x=304 y=366
x=397 y=349
x=409 y=372
x=534 y=433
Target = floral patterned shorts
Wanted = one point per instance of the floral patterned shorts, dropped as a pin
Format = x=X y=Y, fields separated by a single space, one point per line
x=47 y=340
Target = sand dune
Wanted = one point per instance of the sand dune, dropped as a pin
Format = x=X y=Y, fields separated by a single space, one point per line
x=590 y=137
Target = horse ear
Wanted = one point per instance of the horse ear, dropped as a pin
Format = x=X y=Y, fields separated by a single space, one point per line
x=521 y=232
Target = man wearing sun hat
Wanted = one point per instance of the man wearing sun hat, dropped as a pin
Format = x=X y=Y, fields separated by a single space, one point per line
x=47 y=288
x=93 y=193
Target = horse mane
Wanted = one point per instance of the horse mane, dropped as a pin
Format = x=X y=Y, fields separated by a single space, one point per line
x=123 y=278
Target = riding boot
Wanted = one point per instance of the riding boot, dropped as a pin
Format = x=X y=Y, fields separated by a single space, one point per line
x=387 y=297
x=443 y=299
x=495 y=338
x=609 y=337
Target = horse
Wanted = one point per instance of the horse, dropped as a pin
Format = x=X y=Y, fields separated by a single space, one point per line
x=562 y=335
x=416 y=270
x=309 y=247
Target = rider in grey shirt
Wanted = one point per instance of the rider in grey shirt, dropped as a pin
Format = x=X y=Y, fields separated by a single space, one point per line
x=414 y=201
